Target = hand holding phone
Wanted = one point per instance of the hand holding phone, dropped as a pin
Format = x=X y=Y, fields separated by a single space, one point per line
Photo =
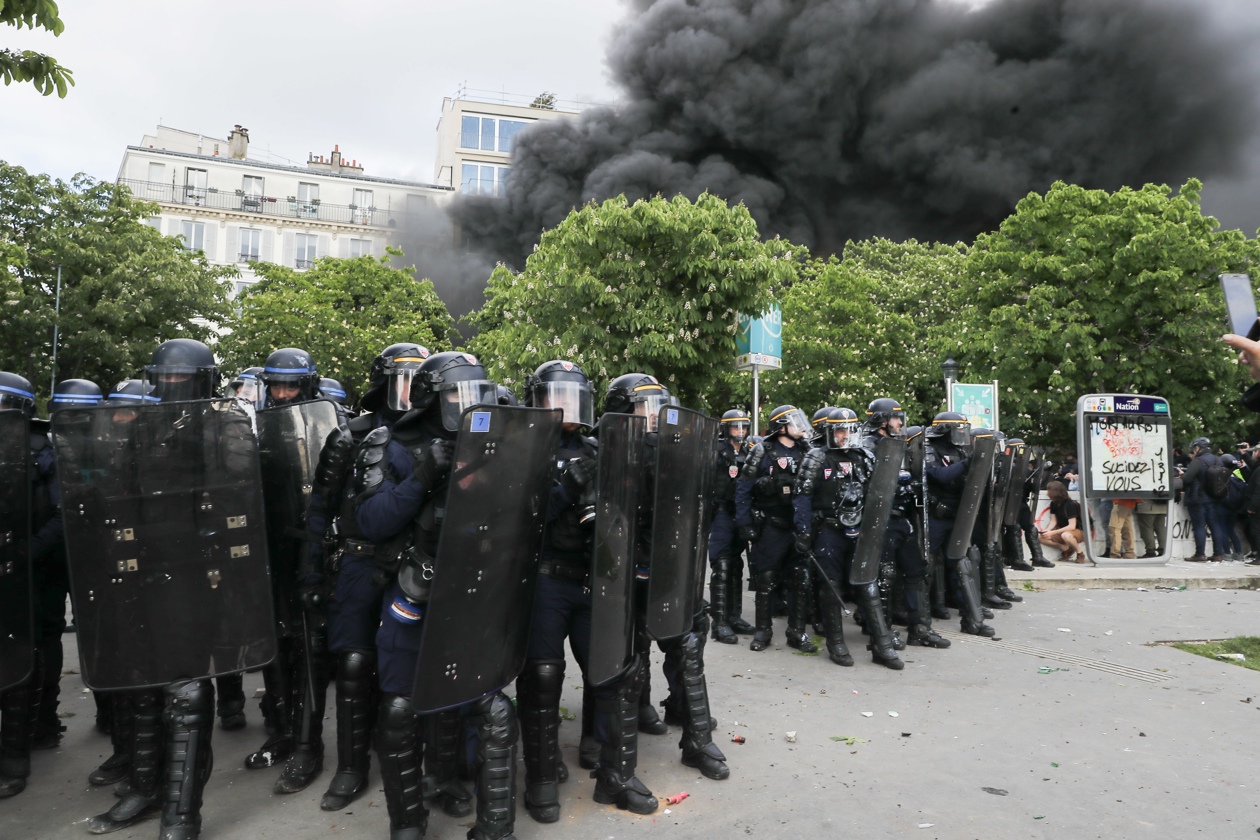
x=1240 y=303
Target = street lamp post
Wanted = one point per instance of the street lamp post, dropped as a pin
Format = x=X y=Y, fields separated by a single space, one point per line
x=949 y=369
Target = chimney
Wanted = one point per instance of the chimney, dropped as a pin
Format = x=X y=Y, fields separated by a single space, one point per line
x=335 y=160
x=238 y=143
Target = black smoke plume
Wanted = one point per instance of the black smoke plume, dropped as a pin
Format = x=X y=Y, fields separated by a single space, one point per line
x=838 y=119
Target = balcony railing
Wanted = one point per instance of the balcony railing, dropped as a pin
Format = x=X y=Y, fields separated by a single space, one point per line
x=262 y=205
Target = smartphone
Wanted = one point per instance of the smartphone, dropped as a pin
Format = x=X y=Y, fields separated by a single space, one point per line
x=1241 y=305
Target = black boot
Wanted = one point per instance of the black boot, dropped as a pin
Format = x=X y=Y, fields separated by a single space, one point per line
x=356 y=715
x=48 y=729
x=538 y=690
x=188 y=720
x=1012 y=551
x=938 y=587
x=735 y=599
x=832 y=609
x=989 y=562
x=307 y=761
x=231 y=701
x=615 y=782
x=141 y=799
x=919 y=620
x=1032 y=538
x=881 y=644
x=764 y=601
x=650 y=722
x=802 y=584
x=972 y=616
x=588 y=744
x=698 y=750
x=399 y=750
x=440 y=784
x=19 y=709
x=1003 y=591
x=115 y=768
x=496 y=768
x=719 y=590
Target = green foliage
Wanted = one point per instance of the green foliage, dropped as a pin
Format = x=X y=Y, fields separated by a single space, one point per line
x=125 y=287
x=863 y=327
x=1227 y=650
x=1085 y=291
x=652 y=286
x=28 y=66
x=341 y=311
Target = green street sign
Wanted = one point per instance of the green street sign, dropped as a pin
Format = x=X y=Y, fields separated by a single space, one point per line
x=978 y=403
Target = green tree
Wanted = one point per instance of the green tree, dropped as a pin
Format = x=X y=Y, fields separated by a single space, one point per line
x=1084 y=291
x=341 y=311
x=41 y=70
x=125 y=286
x=865 y=326
x=652 y=286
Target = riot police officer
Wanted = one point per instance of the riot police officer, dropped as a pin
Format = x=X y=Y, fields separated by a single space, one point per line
x=248 y=387
x=777 y=522
x=400 y=506
x=331 y=389
x=1013 y=553
x=946 y=447
x=725 y=548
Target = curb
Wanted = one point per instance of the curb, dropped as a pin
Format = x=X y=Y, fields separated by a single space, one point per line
x=1043 y=584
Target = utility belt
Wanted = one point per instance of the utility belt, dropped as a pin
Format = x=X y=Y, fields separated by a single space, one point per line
x=944 y=509
x=358 y=548
x=415 y=574
x=848 y=530
x=564 y=571
x=781 y=522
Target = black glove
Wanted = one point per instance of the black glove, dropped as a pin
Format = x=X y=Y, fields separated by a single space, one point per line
x=313 y=598
x=579 y=473
x=748 y=534
x=804 y=543
x=435 y=464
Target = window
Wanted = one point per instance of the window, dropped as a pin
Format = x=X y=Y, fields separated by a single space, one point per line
x=193 y=234
x=195 y=184
x=251 y=245
x=157 y=172
x=304 y=249
x=308 y=192
x=361 y=214
x=469 y=132
x=482 y=179
x=360 y=248
x=308 y=200
x=507 y=131
x=252 y=186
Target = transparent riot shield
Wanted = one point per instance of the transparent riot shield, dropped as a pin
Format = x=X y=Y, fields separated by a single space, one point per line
x=289 y=442
x=681 y=513
x=166 y=541
x=877 y=507
x=613 y=560
x=16 y=647
x=476 y=625
x=1015 y=488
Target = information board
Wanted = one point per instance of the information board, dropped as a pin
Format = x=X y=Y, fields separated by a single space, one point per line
x=1126 y=446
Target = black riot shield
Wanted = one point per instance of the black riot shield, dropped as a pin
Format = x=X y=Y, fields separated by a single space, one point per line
x=476 y=624
x=613 y=561
x=915 y=457
x=289 y=442
x=877 y=507
x=1015 y=487
x=16 y=647
x=166 y=541
x=1003 y=463
x=681 y=513
x=979 y=470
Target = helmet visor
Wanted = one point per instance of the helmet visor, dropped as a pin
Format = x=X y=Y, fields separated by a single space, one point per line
x=960 y=434
x=650 y=406
x=795 y=423
x=843 y=435
x=398 y=388
x=15 y=402
x=574 y=398
x=252 y=392
x=736 y=429
x=460 y=396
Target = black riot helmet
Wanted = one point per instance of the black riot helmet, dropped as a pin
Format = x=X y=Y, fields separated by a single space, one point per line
x=913 y=432
x=562 y=384
x=289 y=376
x=330 y=389
x=819 y=422
x=16 y=393
x=637 y=393
x=182 y=369
x=883 y=410
x=735 y=424
x=952 y=426
x=449 y=383
x=789 y=420
x=74 y=393
x=390 y=379
x=505 y=396
x=248 y=387
x=843 y=429
x=131 y=392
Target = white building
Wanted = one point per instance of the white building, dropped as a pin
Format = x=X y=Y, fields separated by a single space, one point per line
x=475 y=136
x=241 y=210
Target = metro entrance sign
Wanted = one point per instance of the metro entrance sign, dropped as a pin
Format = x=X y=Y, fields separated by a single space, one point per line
x=978 y=403
x=758 y=347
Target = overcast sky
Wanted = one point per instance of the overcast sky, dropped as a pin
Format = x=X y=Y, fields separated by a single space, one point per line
x=302 y=76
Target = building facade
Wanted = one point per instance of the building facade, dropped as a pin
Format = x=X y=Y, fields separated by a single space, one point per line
x=241 y=210
x=476 y=135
